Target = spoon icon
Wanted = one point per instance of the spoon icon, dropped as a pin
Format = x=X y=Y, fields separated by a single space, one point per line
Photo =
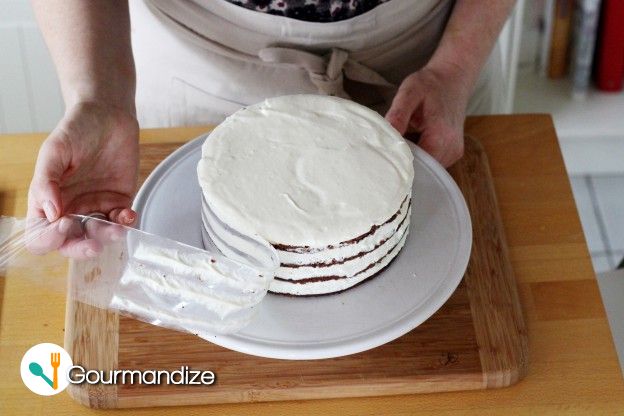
x=36 y=370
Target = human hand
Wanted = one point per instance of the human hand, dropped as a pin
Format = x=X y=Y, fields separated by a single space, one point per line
x=432 y=102
x=89 y=163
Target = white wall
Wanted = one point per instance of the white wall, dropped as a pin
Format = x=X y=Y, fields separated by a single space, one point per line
x=30 y=97
x=510 y=41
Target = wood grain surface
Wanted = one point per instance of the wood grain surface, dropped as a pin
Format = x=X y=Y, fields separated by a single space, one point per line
x=573 y=365
x=477 y=340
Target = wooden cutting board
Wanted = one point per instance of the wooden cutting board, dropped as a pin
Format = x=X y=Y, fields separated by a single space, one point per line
x=477 y=340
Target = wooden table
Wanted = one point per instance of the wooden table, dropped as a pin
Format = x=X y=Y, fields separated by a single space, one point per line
x=573 y=365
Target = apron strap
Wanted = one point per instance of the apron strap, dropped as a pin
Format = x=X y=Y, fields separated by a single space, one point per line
x=327 y=72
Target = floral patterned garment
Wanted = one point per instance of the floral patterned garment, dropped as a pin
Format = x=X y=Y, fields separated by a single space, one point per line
x=311 y=10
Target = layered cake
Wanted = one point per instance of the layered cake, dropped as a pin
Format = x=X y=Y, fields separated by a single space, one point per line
x=327 y=182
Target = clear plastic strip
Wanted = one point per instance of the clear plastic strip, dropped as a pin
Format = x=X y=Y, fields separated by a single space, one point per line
x=153 y=279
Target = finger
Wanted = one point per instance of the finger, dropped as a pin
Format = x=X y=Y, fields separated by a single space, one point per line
x=404 y=104
x=44 y=199
x=102 y=201
x=432 y=145
x=454 y=148
x=87 y=239
x=443 y=144
x=103 y=231
x=45 y=194
x=124 y=216
x=43 y=237
x=81 y=249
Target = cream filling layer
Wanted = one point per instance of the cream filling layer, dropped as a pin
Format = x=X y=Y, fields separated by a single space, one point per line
x=334 y=285
x=350 y=267
x=370 y=249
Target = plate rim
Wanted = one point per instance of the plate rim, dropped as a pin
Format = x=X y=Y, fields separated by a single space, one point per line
x=362 y=342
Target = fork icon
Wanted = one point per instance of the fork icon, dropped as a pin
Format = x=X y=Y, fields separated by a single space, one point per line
x=55 y=361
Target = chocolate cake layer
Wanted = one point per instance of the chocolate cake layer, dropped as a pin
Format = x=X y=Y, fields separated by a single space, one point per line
x=335 y=285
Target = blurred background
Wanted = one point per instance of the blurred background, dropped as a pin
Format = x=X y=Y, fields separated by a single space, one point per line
x=560 y=57
x=571 y=64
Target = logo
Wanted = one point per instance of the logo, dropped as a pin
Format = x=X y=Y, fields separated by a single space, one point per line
x=44 y=369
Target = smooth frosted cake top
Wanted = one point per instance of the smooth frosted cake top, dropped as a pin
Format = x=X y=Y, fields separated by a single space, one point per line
x=305 y=170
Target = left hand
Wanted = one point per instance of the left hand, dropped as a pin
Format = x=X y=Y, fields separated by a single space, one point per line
x=432 y=102
x=89 y=163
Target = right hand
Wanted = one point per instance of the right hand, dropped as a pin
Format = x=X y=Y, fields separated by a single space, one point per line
x=89 y=163
x=432 y=102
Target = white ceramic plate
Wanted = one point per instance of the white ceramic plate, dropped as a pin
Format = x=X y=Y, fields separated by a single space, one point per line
x=415 y=285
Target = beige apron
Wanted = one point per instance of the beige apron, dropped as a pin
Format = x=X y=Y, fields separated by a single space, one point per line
x=200 y=60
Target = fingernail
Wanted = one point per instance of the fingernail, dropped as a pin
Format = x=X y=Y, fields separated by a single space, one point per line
x=50 y=210
x=90 y=253
x=64 y=225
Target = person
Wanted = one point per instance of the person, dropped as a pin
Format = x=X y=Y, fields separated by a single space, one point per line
x=424 y=64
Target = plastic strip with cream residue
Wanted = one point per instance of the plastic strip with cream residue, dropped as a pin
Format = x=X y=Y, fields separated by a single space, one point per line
x=150 y=278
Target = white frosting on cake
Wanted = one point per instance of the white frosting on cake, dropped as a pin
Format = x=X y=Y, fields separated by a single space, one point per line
x=305 y=170
x=326 y=181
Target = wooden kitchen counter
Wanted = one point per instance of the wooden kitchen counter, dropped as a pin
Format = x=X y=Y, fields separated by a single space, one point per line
x=573 y=366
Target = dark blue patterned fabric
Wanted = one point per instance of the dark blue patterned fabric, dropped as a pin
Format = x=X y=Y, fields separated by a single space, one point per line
x=311 y=10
